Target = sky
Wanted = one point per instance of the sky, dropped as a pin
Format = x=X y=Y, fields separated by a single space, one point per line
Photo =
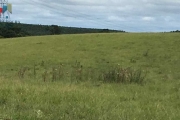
x=127 y=15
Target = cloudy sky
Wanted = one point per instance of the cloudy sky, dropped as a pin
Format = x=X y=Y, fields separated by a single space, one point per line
x=128 y=15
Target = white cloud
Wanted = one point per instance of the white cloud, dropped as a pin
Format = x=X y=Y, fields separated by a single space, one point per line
x=116 y=18
x=129 y=15
x=148 y=18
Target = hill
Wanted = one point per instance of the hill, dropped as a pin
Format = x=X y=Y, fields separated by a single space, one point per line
x=40 y=78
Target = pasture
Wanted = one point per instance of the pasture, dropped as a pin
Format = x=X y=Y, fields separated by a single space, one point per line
x=115 y=76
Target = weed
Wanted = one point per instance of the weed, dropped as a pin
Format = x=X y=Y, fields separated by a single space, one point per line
x=44 y=76
x=123 y=75
x=42 y=63
x=132 y=60
x=60 y=71
x=115 y=74
x=22 y=71
x=34 y=70
x=146 y=53
x=77 y=72
x=136 y=76
x=54 y=74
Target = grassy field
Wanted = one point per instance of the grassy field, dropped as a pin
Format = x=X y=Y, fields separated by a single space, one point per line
x=65 y=77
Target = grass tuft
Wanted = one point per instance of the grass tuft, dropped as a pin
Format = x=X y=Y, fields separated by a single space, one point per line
x=123 y=75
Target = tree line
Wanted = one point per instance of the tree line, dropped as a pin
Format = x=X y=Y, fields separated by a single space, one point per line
x=17 y=29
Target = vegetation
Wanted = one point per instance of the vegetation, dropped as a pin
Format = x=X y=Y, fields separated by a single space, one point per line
x=113 y=76
x=177 y=31
x=8 y=30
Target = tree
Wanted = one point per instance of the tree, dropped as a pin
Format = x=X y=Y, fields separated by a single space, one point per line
x=55 y=29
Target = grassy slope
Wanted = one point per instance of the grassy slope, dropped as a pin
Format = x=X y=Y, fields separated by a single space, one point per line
x=28 y=99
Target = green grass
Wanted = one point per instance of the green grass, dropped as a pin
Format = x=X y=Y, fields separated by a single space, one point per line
x=65 y=95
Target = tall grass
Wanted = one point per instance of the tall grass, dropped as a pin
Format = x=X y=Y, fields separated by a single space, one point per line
x=118 y=74
x=79 y=73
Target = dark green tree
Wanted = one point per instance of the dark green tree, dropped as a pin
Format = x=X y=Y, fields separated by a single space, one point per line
x=55 y=29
